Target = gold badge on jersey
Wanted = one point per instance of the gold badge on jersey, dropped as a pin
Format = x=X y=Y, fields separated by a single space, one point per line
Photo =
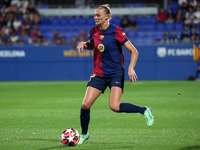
x=123 y=34
x=101 y=47
x=101 y=37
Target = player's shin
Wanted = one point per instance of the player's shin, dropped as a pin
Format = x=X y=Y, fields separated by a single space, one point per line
x=131 y=108
x=85 y=119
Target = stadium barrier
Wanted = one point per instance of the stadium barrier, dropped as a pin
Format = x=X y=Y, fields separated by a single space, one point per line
x=150 y=10
x=155 y=62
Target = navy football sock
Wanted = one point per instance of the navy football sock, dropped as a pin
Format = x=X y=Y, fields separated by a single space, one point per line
x=131 y=108
x=85 y=119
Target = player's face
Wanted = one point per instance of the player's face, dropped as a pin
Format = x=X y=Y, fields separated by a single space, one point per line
x=100 y=17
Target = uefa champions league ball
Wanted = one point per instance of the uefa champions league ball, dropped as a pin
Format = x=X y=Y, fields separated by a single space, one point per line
x=70 y=137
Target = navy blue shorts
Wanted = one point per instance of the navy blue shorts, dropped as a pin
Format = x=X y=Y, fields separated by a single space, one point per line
x=101 y=83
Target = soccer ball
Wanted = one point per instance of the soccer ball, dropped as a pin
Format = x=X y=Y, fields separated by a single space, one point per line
x=70 y=137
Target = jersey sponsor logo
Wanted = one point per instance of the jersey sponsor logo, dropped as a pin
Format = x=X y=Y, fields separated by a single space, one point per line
x=101 y=47
x=101 y=37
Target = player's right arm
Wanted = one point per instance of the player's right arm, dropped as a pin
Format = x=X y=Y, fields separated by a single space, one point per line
x=87 y=45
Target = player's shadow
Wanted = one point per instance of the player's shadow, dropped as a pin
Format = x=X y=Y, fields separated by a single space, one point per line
x=49 y=140
x=79 y=148
x=49 y=148
x=195 y=147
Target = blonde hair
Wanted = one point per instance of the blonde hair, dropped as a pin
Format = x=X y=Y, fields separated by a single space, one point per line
x=106 y=8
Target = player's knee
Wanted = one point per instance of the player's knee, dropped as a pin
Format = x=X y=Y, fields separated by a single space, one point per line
x=114 y=107
x=86 y=105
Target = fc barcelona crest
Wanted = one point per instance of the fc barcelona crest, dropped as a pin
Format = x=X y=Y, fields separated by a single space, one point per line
x=101 y=37
x=101 y=47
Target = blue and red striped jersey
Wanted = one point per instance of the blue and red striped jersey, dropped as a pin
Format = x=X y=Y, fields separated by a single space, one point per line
x=108 y=56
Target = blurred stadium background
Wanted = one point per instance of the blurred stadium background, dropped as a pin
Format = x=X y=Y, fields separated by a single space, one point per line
x=37 y=43
x=40 y=35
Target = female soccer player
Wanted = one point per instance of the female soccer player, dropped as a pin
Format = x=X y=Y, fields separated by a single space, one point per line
x=107 y=39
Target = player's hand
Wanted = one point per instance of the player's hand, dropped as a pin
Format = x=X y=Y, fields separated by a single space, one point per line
x=80 y=48
x=132 y=75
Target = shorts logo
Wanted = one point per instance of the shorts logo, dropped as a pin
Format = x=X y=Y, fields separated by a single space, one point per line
x=92 y=76
x=101 y=37
x=117 y=82
x=101 y=47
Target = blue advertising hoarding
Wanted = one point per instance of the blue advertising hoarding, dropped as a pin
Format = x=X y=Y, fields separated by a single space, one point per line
x=159 y=62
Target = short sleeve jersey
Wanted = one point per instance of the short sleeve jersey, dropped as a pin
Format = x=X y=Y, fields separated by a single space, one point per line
x=108 y=56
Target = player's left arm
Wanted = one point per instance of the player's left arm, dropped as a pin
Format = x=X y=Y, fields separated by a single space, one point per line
x=134 y=55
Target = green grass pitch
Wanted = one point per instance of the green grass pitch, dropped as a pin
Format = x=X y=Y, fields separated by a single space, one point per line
x=34 y=114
